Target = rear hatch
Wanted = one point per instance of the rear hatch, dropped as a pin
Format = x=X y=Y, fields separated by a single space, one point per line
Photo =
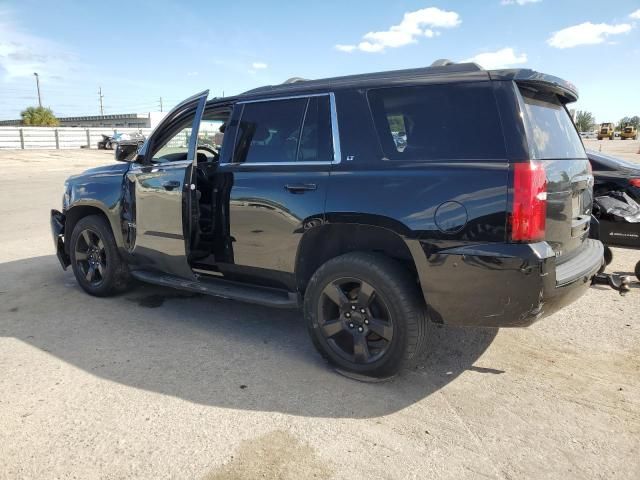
x=555 y=145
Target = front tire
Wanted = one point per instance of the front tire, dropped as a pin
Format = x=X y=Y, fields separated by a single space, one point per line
x=638 y=271
x=95 y=260
x=365 y=314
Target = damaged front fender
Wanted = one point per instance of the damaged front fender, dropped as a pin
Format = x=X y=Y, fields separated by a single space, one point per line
x=57 y=230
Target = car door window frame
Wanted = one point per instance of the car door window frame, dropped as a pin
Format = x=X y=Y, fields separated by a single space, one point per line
x=169 y=123
x=335 y=133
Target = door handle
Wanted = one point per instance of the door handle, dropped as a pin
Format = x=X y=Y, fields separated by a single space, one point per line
x=171 y=184
x=300 y=187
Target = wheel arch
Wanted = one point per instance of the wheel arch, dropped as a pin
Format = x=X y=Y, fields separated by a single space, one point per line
x=81 y=210
x=328 y=241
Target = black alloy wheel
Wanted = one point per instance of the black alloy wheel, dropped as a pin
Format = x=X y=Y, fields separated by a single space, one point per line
x=95 y=260
x=91 y=257
x=355 y=322
x=365 y=314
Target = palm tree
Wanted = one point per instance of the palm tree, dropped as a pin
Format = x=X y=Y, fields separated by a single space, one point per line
x=39 y=117
x=584 y=121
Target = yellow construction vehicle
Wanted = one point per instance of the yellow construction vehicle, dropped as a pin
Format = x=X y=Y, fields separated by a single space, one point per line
x=629 y=131
x=607 y=130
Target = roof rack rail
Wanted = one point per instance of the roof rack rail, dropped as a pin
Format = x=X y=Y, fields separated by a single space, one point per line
x=443 y=62
x=294 y=80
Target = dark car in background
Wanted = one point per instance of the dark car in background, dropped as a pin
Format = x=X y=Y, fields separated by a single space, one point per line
x=111 y=142
x=616 y=209
x=614 y=174
x=356 y=198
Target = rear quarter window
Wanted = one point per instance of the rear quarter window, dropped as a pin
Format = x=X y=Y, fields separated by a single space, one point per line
x=550 y=130
x=438 y=122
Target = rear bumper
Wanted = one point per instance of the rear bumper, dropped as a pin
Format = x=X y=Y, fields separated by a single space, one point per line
x=504 y=285
x=57 y=230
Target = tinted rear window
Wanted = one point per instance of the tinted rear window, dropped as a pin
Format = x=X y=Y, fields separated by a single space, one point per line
x=550 y=129
x=435 y=122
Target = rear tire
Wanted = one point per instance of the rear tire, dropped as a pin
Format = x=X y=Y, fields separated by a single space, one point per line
x=365 y=314
x=638 y=270
x=95 y=260
x=608 y=255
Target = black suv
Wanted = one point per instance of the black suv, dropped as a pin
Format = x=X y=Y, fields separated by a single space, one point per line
x=375 y=201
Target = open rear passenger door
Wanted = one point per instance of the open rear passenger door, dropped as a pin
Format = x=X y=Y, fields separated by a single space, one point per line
x=162 y=189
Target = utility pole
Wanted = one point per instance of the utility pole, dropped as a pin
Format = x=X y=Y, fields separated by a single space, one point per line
x=100 y=96
x=160 y=104
x=38 y=87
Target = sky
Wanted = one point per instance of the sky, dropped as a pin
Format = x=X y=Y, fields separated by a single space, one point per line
x=139 y=51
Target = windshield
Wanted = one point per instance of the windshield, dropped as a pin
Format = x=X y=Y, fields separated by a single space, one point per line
x=551 y=132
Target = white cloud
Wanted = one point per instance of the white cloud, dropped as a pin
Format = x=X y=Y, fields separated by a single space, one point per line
x=586 y=34
x=259 y=65
x=346 y=48
x=503 y=58
x=635 y=14
x=22 y=54
x=518 y=2
x=420 y=23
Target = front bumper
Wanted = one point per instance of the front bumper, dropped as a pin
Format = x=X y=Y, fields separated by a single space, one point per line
x=505 y=285
x=57 y=230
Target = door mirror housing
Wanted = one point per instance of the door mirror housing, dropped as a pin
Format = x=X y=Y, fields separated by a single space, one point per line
x=126 y=152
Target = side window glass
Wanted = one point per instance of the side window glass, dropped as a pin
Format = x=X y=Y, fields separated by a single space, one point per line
x=398 y=130
x=211 y=133
x=316 y=143
x=269 y=131
x=175 y=148
x=440 y=121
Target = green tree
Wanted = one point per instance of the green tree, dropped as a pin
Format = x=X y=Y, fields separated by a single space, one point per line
x=631 y=121
x=39 y=117
x=623 y=121
x=584 y=121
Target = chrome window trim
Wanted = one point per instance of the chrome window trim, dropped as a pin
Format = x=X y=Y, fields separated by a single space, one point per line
x=335 y=131
x=163 y=165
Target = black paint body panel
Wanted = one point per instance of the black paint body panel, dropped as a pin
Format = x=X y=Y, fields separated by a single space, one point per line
x=446 y=220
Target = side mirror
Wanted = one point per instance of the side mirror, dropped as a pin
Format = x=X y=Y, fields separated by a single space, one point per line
x=126 y=152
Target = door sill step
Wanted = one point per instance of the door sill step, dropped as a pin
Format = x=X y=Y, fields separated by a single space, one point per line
x=217 y=287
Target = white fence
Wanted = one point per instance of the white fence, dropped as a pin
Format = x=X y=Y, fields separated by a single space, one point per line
x=58 y=137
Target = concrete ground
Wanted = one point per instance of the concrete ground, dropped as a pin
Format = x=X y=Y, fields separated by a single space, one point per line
x=159 y=384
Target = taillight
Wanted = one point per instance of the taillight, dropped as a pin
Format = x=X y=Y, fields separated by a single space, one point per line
x=635 y=182
x=529 y=214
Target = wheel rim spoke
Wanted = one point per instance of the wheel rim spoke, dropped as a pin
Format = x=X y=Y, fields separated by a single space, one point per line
x=87 y=238
x=360 y=349
x=81 y=256
x=365 y=294
x=332 y=327
x=335 y=294
x=91 y=273
x=101 y=270
x=382 y=328
x=100 y=245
